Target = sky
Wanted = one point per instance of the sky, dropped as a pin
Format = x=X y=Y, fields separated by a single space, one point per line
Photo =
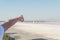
x=30 y=9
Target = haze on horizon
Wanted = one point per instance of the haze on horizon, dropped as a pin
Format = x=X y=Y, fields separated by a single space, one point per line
x=31 y=9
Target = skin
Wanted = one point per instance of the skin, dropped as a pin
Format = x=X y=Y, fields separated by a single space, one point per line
x=11 y=22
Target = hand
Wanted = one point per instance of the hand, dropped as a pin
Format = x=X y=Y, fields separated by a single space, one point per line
x=21 y=18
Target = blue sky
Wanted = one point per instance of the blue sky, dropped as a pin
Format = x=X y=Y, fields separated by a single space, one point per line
x=31 y=9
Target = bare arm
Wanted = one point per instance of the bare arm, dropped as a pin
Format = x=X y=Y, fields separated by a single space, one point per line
x=10 y=23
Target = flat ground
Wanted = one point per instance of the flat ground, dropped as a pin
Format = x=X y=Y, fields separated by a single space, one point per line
x=29 y=31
